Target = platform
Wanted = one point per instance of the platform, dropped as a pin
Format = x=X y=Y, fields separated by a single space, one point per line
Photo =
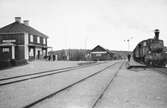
x=134 y=64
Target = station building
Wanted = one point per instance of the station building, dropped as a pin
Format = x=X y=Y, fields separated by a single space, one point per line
x=99 y=54
x=19 y=42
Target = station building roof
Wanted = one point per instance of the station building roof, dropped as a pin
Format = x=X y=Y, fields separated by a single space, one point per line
x=100 y=49
x=18 y=27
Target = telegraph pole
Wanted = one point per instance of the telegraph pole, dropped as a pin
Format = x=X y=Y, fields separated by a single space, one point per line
x=128 y=42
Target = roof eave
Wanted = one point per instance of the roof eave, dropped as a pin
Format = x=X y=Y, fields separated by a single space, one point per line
x=11 y=32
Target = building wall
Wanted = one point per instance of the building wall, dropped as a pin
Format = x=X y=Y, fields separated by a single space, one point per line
x=100 y=56
x=19 y=52
x=35 y=40
x=18 y=40
x=22 y=48
x=18 y=37
x=26 y=50
x=37 y=47
x=17 y=56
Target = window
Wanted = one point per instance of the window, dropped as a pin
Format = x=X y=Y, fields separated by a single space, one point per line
x=38 y=39
x=31 y=52
x=31 y=38
x=5 y=49
x=44 y=41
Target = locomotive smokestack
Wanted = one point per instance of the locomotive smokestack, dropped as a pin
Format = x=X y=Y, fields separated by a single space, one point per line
x=156 y=31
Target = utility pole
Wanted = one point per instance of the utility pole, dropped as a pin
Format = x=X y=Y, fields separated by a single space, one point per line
x=128 y=42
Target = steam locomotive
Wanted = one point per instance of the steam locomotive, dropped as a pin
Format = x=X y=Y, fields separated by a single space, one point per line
x=151 y=52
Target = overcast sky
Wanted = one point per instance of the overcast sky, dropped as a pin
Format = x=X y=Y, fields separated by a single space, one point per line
x=87 y=23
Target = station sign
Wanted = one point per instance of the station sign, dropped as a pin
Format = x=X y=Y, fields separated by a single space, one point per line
x=8 y=41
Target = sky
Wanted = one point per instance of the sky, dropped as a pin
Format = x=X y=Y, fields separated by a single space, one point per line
x=83 y=24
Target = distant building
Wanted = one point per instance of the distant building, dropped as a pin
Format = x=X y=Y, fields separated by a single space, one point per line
x=99 y=53
x=20 y=42
x=70 y=54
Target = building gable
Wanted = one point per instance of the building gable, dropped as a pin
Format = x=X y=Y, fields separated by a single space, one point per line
x=98 y=48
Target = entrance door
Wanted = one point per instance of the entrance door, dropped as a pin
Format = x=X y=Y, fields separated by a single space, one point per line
x=38 y=55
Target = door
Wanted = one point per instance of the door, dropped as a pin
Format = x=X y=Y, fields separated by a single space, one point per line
x=38 y=55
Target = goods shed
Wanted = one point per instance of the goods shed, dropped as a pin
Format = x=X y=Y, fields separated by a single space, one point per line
x=99 y=54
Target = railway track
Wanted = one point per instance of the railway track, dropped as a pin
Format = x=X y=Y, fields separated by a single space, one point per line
x=67 y=87
x=105 y=89
x=25 y=77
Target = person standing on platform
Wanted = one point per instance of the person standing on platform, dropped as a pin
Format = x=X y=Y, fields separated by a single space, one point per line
x=129 y=56
x=49 y=57
x=54 y=58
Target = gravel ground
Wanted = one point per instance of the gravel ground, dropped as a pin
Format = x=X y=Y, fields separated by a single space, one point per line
x=36 y=66
x=136 y=89
x=82 y=95
x=20 y=94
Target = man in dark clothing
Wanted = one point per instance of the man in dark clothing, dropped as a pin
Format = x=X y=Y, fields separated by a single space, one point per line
x=54 y=57
x=49 y=57
x=129 y=56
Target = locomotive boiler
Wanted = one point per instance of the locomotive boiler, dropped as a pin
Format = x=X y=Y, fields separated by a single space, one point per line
x=151 y=51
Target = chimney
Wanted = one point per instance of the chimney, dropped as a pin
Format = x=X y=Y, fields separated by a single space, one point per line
x=156 y=31
x=18 y=19
x=26 y=22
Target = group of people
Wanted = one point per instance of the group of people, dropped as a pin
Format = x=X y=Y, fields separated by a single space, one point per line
x=50 y=57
